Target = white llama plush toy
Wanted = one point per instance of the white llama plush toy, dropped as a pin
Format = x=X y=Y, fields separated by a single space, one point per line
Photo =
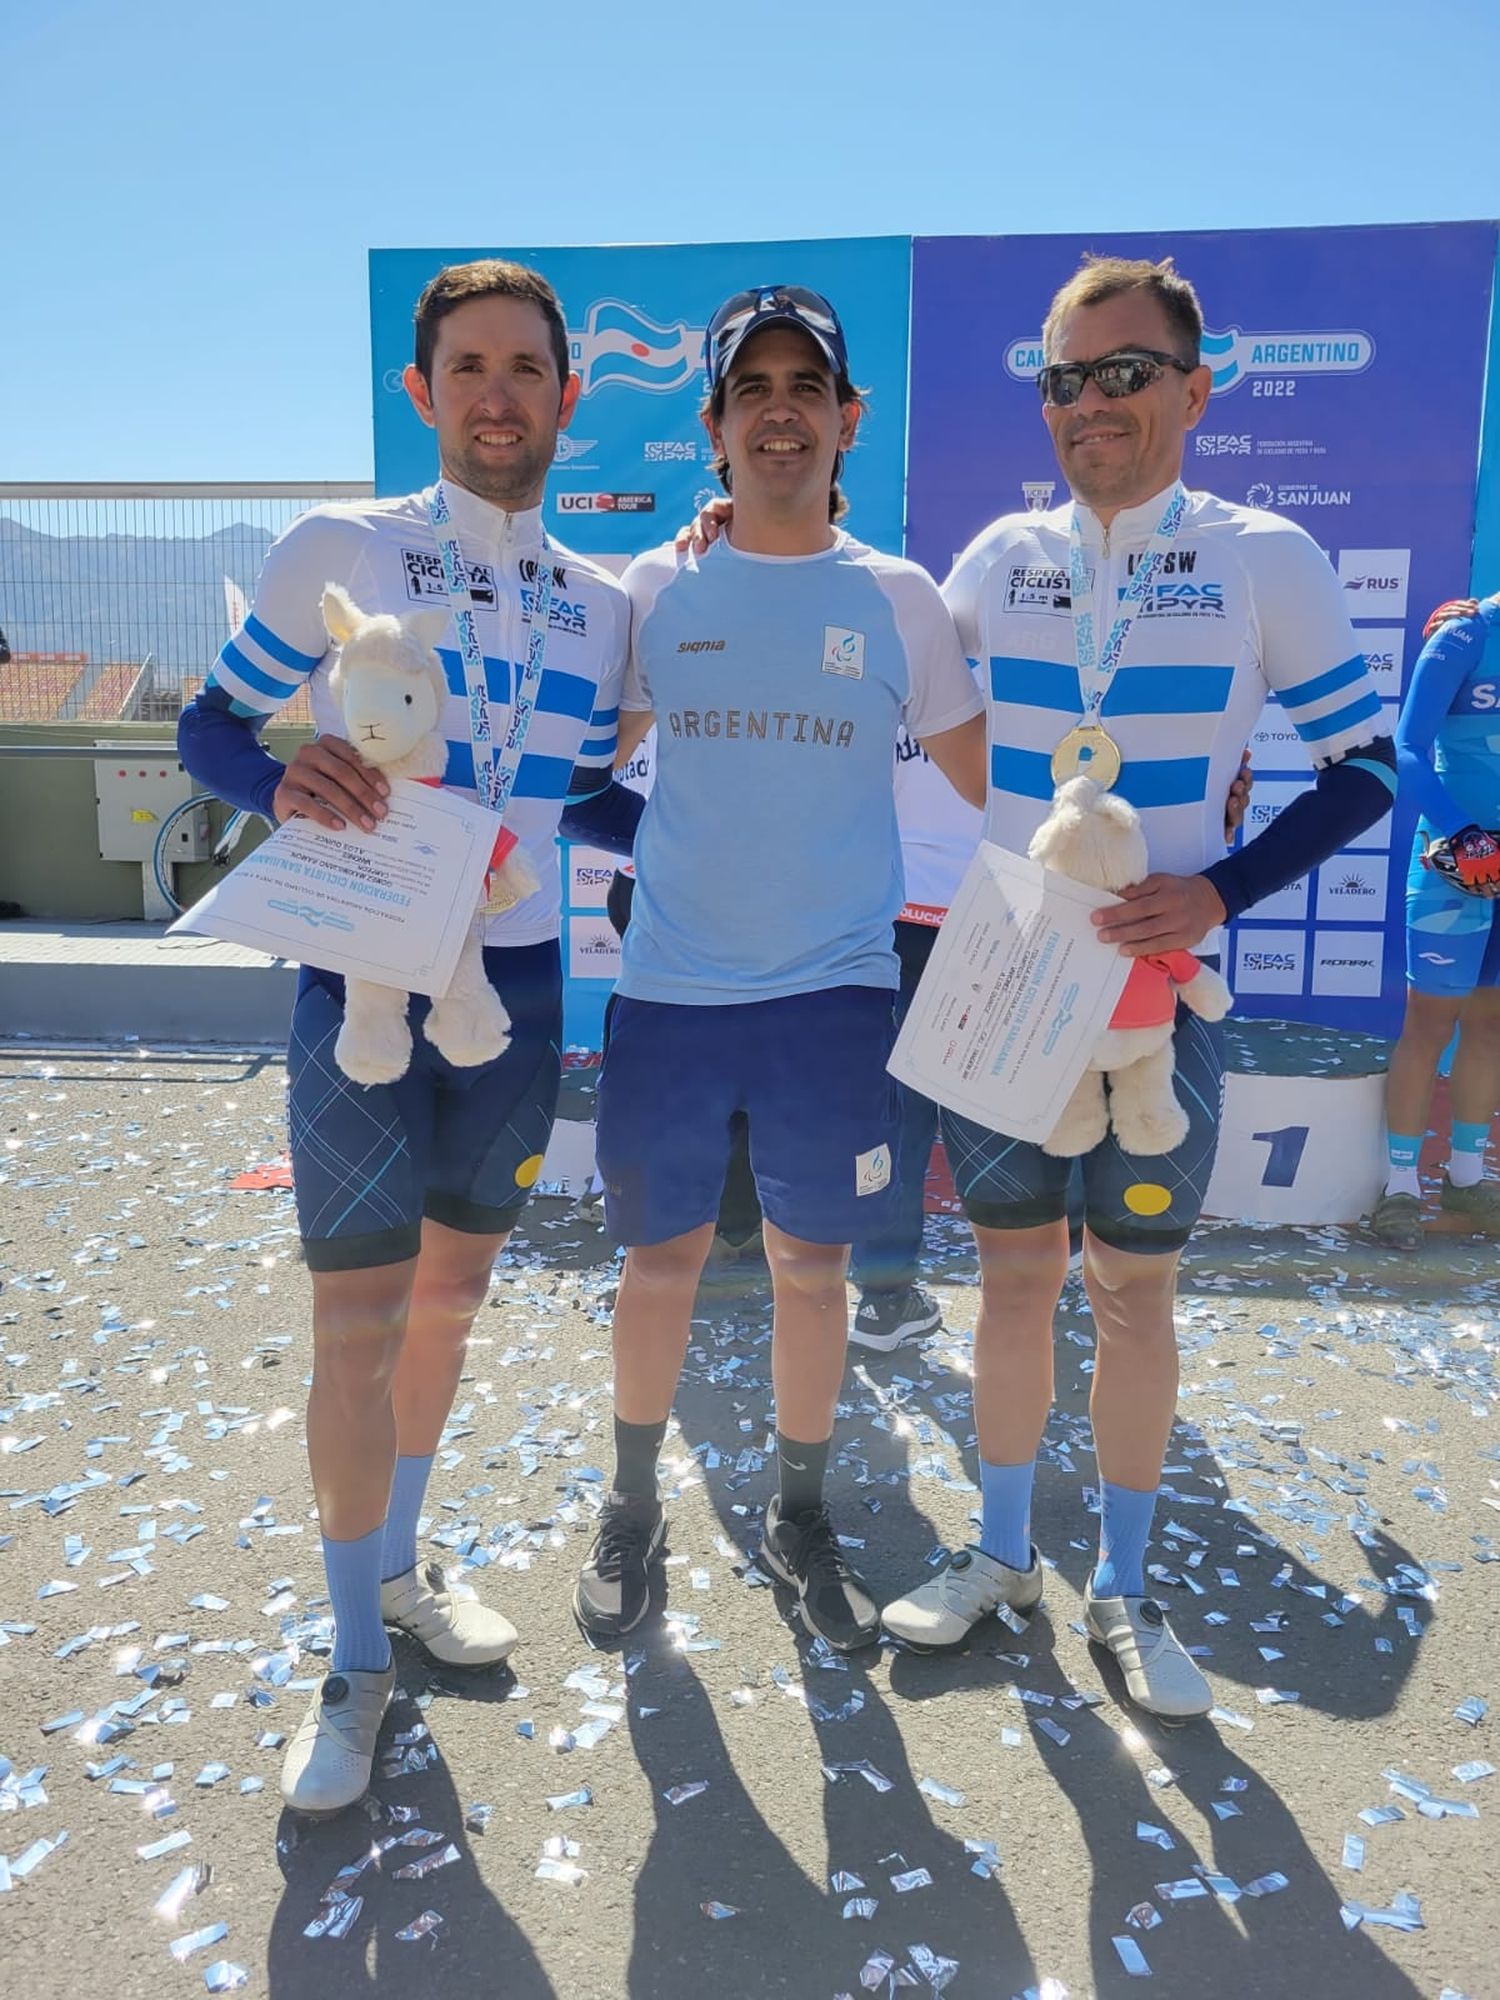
x=1093 y=836
x=390 y=686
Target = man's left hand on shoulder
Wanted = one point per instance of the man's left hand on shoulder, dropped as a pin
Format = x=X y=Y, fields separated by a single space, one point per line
x=1163 y=913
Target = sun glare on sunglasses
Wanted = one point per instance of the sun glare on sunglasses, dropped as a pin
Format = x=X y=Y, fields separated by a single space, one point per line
x=1125 y=373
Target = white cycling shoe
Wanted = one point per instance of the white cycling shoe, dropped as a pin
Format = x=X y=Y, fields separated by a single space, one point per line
x=328 y=1761
x=970 y=1587
x=1160 y=1675
x=459 y=1631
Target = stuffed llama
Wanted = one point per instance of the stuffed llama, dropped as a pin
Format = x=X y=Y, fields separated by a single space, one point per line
x=390 y=686
x=1093 y=836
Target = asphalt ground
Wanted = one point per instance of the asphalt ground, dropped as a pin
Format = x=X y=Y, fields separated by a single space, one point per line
x=758 y=1822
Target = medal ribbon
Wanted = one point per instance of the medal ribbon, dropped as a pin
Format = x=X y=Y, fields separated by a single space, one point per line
x=1096 y=670
x=494 y=771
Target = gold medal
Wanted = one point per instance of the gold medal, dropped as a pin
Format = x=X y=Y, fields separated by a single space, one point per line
x=1087 y=752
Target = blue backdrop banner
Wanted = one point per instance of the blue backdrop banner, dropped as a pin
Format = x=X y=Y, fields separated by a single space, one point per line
x=1348 y=373
x=635 y=463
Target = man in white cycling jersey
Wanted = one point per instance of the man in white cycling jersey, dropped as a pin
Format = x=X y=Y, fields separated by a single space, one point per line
x=1134 y=633
x=407 y=1191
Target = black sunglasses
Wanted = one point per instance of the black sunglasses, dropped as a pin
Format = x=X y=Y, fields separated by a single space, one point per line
x=1123 y=374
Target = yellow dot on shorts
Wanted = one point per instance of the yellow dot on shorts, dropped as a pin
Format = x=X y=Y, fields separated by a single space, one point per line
x=528 y=1170
x=1146 y=1198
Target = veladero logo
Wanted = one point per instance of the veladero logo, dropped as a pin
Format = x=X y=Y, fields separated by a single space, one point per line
x=606 y=503
x=1233 y=356
x=423 y=570
x=1038 y=587
x=700 y=645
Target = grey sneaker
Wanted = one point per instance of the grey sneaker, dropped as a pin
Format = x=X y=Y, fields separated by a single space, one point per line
x=1479 y=1205
x=885 y=1319
x=1396 y=1221
x=943 y=1612
x=328 y=1761
x=1159 y=1674
x=613 y=1593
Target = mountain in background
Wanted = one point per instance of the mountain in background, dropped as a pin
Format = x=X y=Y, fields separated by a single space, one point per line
x=120 y=597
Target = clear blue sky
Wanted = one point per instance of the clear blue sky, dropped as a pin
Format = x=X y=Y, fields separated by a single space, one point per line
x=192 y=188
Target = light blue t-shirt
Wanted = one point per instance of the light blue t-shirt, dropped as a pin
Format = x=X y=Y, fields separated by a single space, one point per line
x=768 y=861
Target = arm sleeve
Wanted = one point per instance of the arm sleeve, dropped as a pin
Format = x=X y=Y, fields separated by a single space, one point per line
x=961 y=595
x=1439 y=673
x=223 y=751
x=600 y=811
x=1345 y=798
x=644 y=581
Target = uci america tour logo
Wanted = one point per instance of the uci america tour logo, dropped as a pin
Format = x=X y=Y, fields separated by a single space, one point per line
x=619 y=346
x=1233 y=356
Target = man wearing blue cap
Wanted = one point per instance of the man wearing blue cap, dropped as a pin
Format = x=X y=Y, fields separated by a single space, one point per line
x=758 y=974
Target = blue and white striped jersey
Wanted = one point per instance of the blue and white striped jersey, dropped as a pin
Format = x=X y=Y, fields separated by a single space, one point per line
x=385 y=555
x=1245 y=603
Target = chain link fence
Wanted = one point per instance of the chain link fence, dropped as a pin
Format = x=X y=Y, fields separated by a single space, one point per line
x=115 y=599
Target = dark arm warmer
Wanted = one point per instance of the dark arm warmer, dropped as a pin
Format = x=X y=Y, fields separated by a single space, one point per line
x=223 y=751
x=1347 y=797
x=600 y=811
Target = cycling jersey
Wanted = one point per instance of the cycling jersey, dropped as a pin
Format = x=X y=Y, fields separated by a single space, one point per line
x=939 y=833
x=385 y=554
x=768 y=860
x=1448 y=738
x=1244 y=604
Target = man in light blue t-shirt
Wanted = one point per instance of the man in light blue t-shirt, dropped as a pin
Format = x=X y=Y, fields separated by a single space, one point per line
x=758 y=974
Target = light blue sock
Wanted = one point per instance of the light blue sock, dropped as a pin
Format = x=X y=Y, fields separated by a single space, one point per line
x=408 y=1490
x=1466 y=1163
x=1005 y=1532
x=1403 y=1150
x=1124 y=1530
x=353 y=1570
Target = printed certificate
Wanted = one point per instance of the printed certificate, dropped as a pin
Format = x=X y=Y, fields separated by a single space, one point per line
x=392 y=906
x=1015 y=995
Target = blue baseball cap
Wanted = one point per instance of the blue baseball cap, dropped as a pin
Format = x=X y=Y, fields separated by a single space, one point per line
x=772 y=305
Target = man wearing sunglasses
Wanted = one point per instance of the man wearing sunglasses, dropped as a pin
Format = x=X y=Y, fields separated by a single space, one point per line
x=757 y=973
x=1134 y=633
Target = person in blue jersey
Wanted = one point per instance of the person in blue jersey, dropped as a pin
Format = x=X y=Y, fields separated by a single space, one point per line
x=406 y=1192
x=1448 y=750
x=1199 y=610
x=757 y=972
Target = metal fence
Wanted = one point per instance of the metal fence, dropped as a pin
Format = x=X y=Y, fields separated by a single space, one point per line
x=115 y=599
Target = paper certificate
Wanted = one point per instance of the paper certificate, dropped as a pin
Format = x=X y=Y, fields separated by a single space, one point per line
x=392 y=906
x=1014 y=997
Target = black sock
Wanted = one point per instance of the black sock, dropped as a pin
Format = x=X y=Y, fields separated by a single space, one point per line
x=799 y=1470
x=637 y=1448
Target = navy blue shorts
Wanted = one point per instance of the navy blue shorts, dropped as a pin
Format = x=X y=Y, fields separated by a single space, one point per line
x=464 y=1146
x=1132 y=1201
x=810 y=1073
